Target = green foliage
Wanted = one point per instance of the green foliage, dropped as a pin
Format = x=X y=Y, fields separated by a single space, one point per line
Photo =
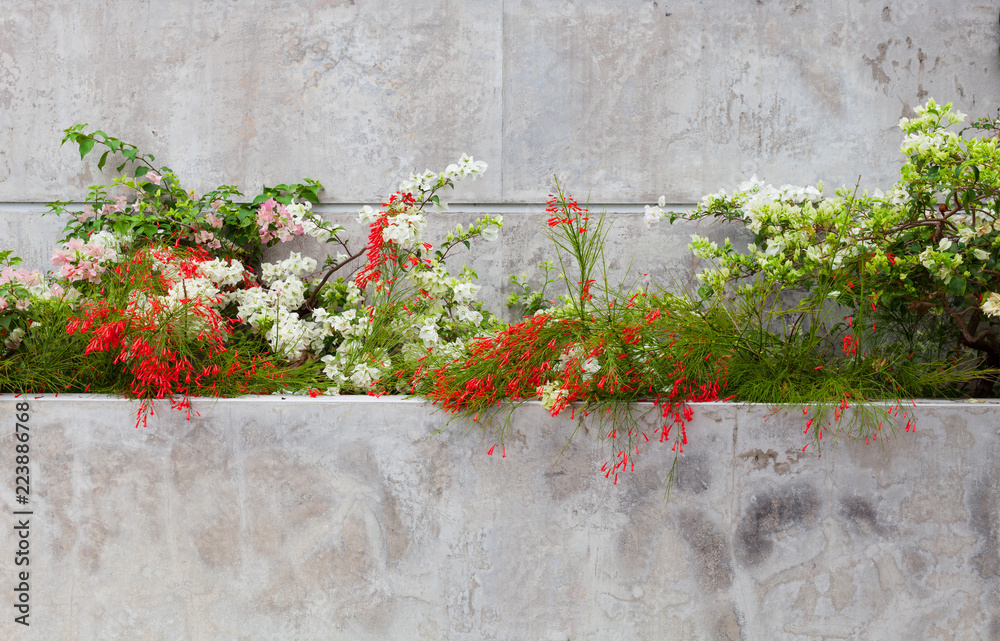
x=924 y=256
x=526 y=300
x=152 y=206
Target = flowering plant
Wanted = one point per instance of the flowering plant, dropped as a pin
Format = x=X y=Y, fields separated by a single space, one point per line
x=162 y=294
x=918 y=264
x=149 y=205
x=596 y=353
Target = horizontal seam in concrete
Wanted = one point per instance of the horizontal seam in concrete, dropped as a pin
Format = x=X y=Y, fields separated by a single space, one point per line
x=453 y=208
x=395 y=399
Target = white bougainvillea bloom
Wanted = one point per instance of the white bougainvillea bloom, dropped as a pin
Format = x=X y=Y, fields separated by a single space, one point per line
x=991 y=305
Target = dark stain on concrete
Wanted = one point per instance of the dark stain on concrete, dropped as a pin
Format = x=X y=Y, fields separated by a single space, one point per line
x=694 y=475
x=861 y=514
x=759 y=459
x=878 y=74
x=769 y=512
x=710 y=548
x=982 y=518
x=729 y=626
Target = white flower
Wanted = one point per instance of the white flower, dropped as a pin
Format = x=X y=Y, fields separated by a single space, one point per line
x=428 y=332
x=14 y=339
x=470 y=315
x=465 y=292
x=980 y=254
x=991 y=305
x=404 y=228
x=653 y=215
x=492 y=231
x=550 y=394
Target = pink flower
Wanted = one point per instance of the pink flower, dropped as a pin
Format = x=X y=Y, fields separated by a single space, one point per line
x=154 y=177
x=213 y=220
x=87 y=213
x=93 y=251
x=265 y=216
x=29 y=278
x=208 y=239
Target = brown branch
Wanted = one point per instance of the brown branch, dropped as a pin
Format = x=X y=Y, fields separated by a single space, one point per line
x=312 y=298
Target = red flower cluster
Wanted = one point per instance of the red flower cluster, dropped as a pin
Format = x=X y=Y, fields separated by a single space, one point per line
x=513 y=364
x=516 y=359
x=170 y=353
x=379 y=251
x=566 y=211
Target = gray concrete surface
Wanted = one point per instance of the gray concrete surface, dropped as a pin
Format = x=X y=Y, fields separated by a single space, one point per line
x=627 y=99
x=302 y=519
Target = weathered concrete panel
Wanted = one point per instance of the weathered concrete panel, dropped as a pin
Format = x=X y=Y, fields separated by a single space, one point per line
x=628 y=99
x=341 y=519
x=638 y=99
x=354 y=94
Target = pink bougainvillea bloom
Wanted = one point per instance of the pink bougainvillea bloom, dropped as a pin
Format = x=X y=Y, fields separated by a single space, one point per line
x=87 y=213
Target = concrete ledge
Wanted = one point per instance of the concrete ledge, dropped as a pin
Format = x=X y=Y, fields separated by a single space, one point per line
x=270 y=518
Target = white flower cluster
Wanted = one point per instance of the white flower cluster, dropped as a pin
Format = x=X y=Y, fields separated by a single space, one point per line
x=575 y=355
x=991 y=305
x=273 y=308
x=429 y=181
x=294 y=266
x=351 y=368
x=304 y=219
x=550 y=394
x=404 y=228
x=931 y=116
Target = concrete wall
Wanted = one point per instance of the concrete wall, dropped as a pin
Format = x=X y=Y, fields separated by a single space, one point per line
x=628 y=99
x=625 y=99
x=346 y=519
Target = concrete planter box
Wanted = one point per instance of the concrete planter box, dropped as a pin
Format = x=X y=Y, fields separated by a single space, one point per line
x=273 y=519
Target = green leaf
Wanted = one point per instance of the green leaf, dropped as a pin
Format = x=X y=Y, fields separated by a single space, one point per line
x=957 y=285
x=467 y=244
x=705 y=292
x=141 y=171
x=104 y=159
x=86 y=145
